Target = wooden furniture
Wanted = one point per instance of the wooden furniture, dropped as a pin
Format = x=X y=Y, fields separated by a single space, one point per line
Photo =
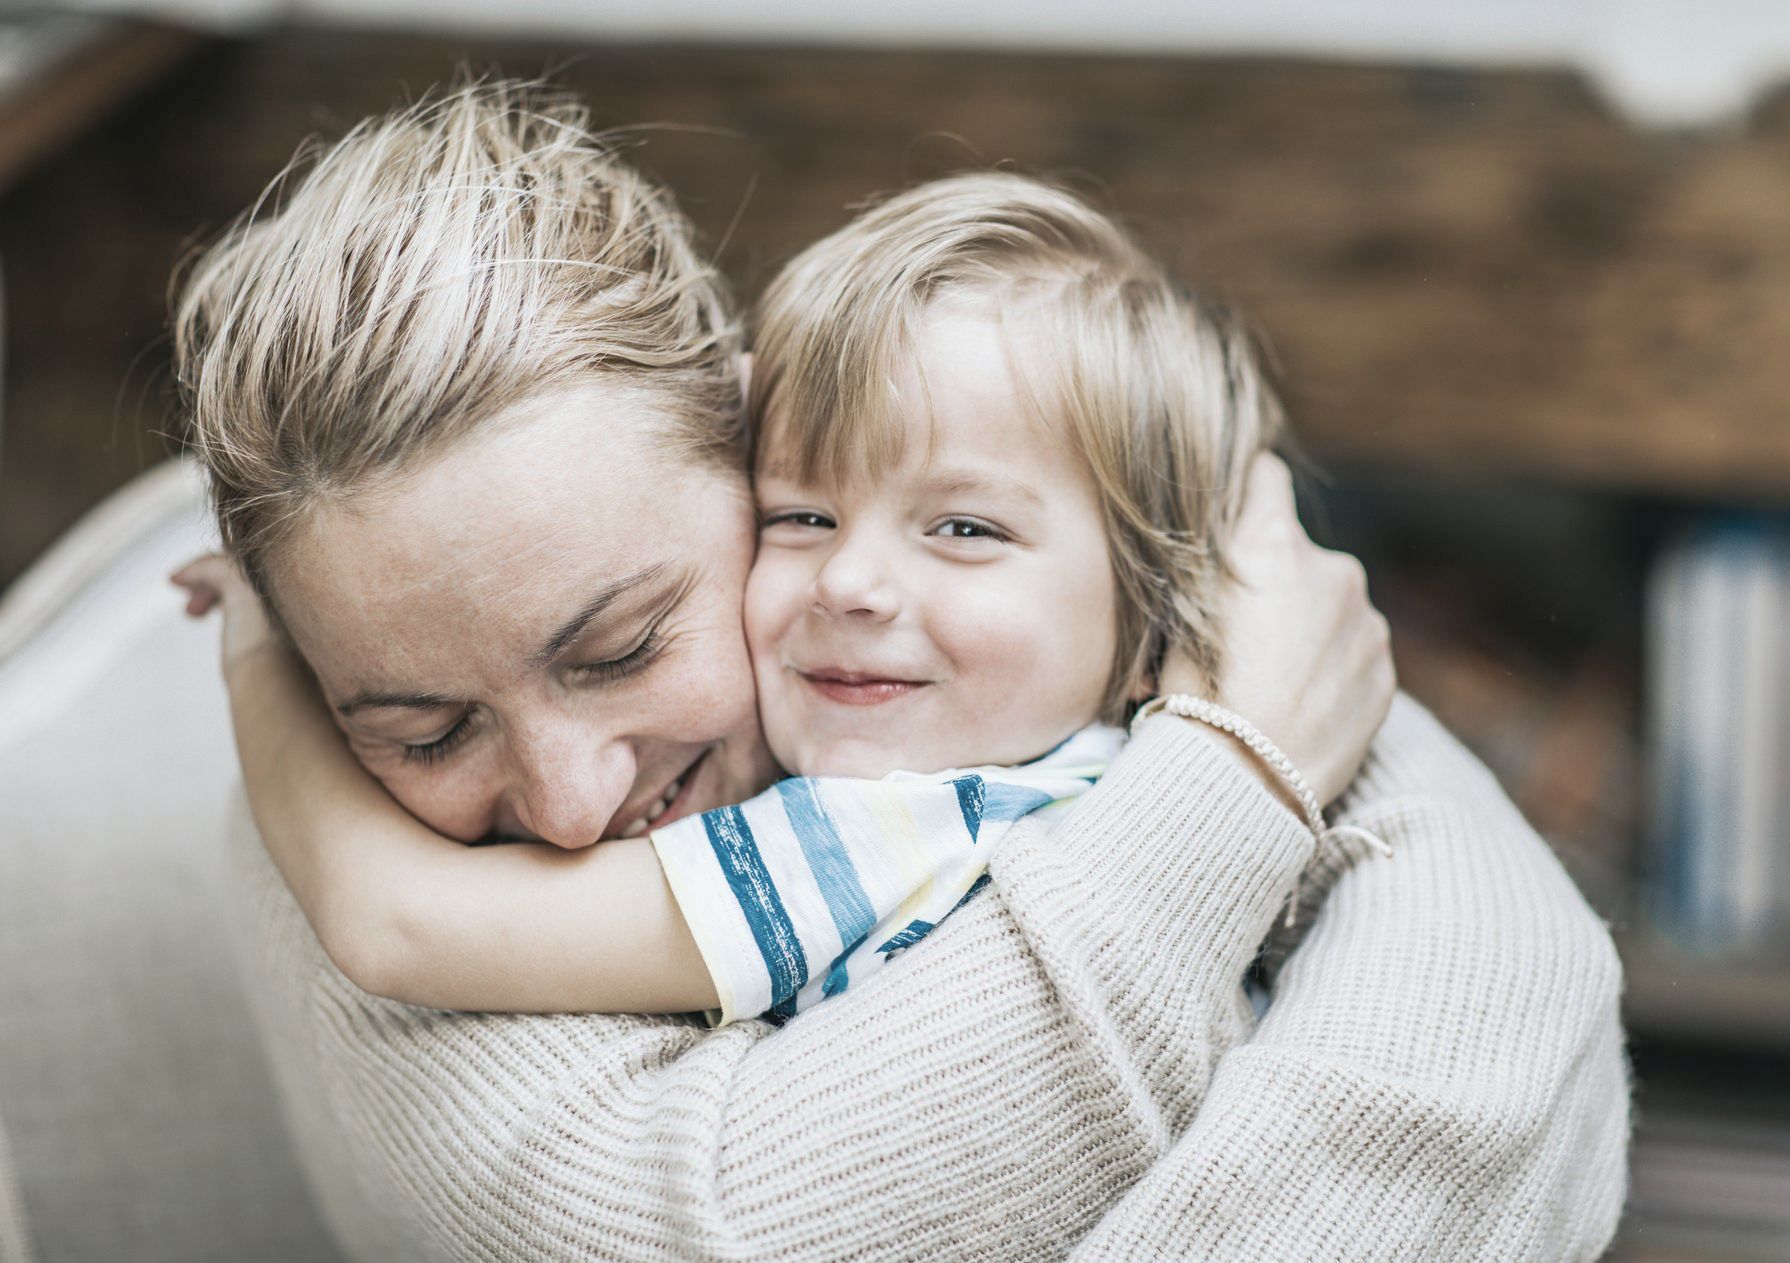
x=86 y=72
x=1458 y=271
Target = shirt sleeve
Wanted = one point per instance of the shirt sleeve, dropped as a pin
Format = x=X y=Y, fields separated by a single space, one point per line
x=1441 y=1071
x=994 y=1090
x=813 y=886
x=815 y=882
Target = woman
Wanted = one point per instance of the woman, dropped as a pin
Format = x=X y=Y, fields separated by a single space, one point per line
x=469 y=400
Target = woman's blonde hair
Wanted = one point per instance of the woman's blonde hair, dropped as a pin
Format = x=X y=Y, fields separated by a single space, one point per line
x=1158 y=390
x=438 y=265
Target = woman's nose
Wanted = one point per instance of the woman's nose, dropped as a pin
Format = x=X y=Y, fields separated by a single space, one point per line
x=566 y=794
x=854 y=579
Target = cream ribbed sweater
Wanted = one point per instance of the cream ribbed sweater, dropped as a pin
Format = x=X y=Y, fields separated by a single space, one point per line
x=1064 y=1068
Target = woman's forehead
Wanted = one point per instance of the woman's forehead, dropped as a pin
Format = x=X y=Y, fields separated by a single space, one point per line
x=479 y=550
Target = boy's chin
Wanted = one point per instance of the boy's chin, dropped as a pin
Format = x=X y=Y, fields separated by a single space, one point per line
x=862 y=758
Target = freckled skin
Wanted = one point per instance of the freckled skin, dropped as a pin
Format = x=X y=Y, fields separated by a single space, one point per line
x=450 y=578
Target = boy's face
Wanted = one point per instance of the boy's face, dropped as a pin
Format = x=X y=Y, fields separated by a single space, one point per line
x=957 y=609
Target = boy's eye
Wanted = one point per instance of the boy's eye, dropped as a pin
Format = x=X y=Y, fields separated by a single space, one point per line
x=806 y=518
x=428 y=752
x=967 y=528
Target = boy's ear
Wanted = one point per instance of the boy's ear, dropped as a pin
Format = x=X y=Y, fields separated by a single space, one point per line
x=744 y=362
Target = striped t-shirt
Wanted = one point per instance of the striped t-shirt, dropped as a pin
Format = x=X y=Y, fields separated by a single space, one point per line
x=806 y=889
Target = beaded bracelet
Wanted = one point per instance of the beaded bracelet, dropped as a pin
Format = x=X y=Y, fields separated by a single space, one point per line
x=1188 y=706
x=1198 y=708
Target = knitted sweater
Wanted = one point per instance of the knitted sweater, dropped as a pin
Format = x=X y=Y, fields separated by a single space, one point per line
x=1065 y=1068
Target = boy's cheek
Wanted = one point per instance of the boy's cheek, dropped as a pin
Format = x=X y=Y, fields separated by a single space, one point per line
x=763 y=627
x=770 y=589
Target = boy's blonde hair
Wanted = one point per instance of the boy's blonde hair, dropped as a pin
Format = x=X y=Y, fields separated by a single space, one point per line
x=1157 y=390
x=436 y=266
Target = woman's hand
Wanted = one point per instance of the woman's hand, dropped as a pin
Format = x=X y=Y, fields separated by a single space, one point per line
x=1306 y=658
x=214 y=580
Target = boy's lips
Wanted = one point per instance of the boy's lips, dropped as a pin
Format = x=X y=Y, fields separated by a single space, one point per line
x=858 y=688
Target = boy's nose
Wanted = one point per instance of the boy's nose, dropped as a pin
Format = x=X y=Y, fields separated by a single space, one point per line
x=854 y=582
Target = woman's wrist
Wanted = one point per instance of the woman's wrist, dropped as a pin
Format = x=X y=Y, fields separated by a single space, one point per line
x=1232 y=745
x=1287 y=780
x=1269 y=756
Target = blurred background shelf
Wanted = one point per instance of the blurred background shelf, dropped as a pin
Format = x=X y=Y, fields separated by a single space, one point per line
x=1740 y=1001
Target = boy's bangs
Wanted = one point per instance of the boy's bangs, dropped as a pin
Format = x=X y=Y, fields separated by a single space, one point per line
x=844 y=419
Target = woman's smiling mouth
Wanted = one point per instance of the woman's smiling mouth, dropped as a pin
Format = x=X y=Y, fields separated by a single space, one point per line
x=670 y=804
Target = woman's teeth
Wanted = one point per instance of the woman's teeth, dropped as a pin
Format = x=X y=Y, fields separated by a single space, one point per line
x=654 y=811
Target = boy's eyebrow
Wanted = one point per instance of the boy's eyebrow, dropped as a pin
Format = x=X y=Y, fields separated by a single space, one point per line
x=780 y=467
x=604 y=597
x=961 y=482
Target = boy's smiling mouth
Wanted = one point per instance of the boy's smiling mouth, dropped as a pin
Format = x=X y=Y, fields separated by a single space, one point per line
x=858 y=688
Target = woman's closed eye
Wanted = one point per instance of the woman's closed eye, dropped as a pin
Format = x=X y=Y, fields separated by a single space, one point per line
x=634 y=660
x=428 y=752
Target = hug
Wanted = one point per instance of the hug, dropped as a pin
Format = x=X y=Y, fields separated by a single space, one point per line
x=881 y=776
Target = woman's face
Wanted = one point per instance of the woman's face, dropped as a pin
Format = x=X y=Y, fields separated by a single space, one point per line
x=537 y=635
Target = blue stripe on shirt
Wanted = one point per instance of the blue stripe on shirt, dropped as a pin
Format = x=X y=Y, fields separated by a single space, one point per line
x=1010 y=802
x=828 y=859
x=969 y=801
x=907 y=936
x=736 y=851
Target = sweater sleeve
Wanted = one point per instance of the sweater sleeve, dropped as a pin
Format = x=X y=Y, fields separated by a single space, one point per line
x=989 y=1094
x=1440 y=1074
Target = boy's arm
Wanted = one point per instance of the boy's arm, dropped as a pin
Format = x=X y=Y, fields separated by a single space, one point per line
x=996 y=1087
x=408 y=914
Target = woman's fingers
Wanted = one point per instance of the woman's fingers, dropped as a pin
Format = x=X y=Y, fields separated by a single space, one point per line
x=198 y=581
x=208 y=581
x=214 y=582
x=1305 y=656
x=1268 y=502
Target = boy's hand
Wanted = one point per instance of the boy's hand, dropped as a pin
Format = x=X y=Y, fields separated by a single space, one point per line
x=1306 y=657
x=214 y=580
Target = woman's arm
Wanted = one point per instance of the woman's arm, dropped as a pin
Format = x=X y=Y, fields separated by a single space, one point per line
x=991 y=1093
x=994 y=1090
x=1440 y=1074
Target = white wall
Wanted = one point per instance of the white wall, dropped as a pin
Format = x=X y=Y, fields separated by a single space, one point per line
x=1666 y=62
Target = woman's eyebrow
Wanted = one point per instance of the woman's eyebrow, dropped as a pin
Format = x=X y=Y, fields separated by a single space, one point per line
x=396 y=701
x=605 y=596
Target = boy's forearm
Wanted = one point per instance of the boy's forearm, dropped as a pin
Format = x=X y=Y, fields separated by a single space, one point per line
x=531 y=928
x=412 y=915
x=306 y=790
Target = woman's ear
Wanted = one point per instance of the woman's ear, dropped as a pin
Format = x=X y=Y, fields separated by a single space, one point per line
x=1144 y=687
x=744 y=361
